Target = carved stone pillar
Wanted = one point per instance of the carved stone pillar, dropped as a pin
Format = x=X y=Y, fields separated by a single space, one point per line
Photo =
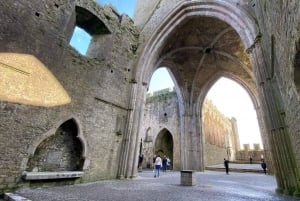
x=192 y=145
x=286 y=171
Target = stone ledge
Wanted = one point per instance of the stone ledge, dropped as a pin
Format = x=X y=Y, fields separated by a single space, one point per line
x=51 y=175
x=14 y=197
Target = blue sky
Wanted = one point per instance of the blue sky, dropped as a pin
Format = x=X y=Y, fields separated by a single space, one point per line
x=123 y=6
x=228 y=96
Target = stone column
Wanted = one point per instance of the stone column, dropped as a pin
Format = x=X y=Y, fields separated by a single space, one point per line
x=129 y=150
x=264 y=136
x=278 y=135
x=192 y=144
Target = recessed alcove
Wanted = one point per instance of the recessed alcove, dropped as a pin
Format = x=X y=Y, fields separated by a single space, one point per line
x=58 y=156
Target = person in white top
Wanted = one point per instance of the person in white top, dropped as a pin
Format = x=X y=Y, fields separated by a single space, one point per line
x=157 y=164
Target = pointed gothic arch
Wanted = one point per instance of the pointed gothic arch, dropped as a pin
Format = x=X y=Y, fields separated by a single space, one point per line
x=164 y=144
x=241 y=22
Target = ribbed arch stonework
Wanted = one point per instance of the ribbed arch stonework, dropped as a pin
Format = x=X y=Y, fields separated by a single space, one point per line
x=235 y=24
x=241 y=22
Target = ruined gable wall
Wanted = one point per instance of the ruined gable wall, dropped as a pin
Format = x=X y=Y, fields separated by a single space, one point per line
x=98 y=86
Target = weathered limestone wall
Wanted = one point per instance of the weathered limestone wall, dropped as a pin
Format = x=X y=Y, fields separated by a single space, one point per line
x=219 y=135
x=162 y=112
x=98 y=86
x=244 y=155
x=279 y=26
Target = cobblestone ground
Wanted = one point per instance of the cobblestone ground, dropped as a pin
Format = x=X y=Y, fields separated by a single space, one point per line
x=210 y=186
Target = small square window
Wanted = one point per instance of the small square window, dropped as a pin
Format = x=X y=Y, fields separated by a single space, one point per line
x=80 y=40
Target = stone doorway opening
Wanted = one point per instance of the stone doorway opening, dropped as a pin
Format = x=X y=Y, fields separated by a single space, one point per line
x=164 y=144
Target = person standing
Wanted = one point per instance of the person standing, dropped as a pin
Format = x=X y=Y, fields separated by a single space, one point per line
x=164 y=164
x=140 y=162
x=226 y=165
x=153 y=161
x=264 y=166
x=168 y=163
x=157 y=165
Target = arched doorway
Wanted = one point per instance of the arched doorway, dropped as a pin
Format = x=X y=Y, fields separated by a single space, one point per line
x=164 y=144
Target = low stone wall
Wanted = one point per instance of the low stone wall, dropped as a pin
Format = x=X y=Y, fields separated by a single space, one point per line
x=244 y=155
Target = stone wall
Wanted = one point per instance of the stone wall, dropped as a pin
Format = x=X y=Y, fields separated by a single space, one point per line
x=107 y=86
x=162 y=113
x=279 y=27
x=98 y=86
x=220 y=136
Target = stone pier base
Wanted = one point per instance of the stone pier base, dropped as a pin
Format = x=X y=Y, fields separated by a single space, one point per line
x=188 y=177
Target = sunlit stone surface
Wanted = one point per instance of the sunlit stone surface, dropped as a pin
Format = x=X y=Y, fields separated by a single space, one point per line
x=24 y=79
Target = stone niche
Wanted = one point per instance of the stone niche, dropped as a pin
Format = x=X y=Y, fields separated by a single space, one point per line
x=60 y=152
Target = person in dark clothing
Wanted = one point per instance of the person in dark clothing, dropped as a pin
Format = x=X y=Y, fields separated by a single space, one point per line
x=226 y=165
x=153 y=160
x=264 y=166
x=164 y=164
x=140 y=162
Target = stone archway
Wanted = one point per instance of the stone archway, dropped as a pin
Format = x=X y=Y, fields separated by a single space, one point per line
x=167 y=46
x=164 y=144
x=201 y=39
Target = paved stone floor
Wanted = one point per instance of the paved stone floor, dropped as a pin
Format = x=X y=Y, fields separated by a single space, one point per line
x=211 y=185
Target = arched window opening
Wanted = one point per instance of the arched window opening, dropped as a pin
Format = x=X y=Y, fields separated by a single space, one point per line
x=160 y=80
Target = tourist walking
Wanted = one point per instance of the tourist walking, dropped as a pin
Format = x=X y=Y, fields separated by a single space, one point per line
x=226 y=165
x=157 y=165
x=153 y=161
x=264 y=166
